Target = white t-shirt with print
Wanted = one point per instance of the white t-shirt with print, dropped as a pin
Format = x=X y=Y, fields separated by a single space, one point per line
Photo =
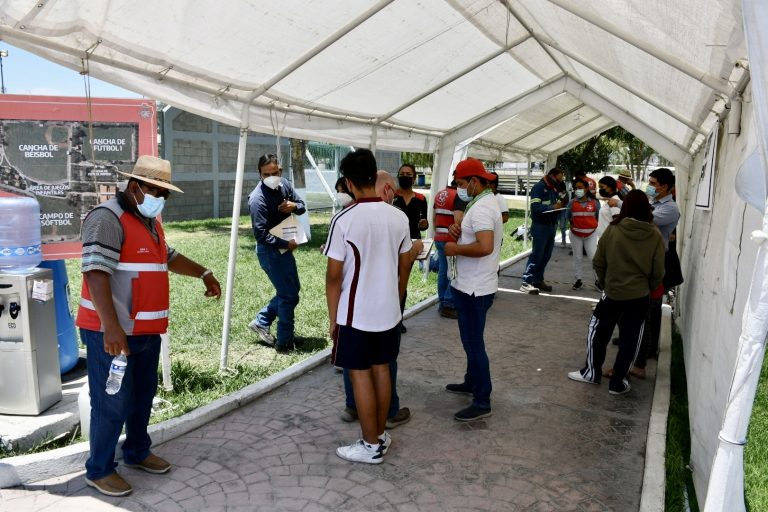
x=368 y=236
x=479 y=276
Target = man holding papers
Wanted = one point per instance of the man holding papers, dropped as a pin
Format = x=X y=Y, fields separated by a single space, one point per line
x=272 y=205
x=544 y=201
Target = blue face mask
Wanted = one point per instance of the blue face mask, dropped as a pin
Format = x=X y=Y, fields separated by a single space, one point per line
x=152 y=206
x=579 y=192
x=463 y=194
x=650 y=191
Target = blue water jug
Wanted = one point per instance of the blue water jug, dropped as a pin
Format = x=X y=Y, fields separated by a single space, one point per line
x=65 y=326
x=19 y=234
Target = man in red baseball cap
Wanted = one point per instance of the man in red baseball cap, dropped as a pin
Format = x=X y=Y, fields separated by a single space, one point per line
x=475 y=280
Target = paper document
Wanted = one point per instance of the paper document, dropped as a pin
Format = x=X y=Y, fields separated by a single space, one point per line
x=425 y=251
x=556 y=210
x=290 y=229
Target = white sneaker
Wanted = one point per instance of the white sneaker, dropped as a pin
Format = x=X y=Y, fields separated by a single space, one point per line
x=263 y=333
x=529 y=288
x=384 y=442
x=361 y=452
x=578 y=377
x=626 y=389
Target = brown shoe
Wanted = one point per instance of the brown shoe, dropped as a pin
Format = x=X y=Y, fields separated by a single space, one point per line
x=638 y=373
x=152 y=464
x=608 y=373
x=447 y=312
x=111 y=485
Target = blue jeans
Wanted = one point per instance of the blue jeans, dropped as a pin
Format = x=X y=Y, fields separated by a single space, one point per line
x=472 y=311
x=543 y=236
x=562 y=224
x=131 y=405
x=282 y=273
x=444 y=293
x=394 y=402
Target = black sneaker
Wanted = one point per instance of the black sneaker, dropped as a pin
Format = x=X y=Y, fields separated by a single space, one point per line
x=403 y=329
x=284 y=349
x=472 y=413
x=577 y=285
x=543 y=286
x=624 y=389
x=462 y=389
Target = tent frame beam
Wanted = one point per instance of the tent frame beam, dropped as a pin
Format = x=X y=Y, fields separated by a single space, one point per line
x=542 y=126
x=658 y=141
x=566 y=147
x=453 y=78
x=713 y=82
x=564 y=134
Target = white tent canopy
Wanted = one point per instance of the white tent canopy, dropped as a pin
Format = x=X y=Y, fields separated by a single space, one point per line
x=496 y=79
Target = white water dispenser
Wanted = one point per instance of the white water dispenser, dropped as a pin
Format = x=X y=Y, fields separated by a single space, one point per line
x=30 y=381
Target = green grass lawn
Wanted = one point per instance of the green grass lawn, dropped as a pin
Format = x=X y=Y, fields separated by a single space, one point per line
x=756 y=451
x=196 y=321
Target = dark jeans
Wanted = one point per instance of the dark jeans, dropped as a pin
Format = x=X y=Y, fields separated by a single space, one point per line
x=131 y=406
x=562 y=224
x=444 y=293
x=543 y=236
x=650 y=344
x=282 y=273
x=472 y=311
x=394 y=403
x=630 y=315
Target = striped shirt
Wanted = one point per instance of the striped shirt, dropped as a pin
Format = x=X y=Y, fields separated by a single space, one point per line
x=102 y=236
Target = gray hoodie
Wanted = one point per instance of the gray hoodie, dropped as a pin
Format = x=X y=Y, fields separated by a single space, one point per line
x=630 y=259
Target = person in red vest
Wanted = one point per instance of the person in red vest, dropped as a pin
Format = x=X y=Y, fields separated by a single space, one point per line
x=583 y=210
x=124 y=310
x=448 y=209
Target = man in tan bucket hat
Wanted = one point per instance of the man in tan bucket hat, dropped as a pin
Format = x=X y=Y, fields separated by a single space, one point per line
x=124 y=310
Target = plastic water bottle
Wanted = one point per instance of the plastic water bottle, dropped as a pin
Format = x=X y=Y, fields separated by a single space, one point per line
x=116 y=374
x=19 y=234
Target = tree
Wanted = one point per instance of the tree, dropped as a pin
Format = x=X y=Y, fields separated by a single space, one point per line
x=298 y=150
x=591 y=156
x=422 y=160
x=633 y=153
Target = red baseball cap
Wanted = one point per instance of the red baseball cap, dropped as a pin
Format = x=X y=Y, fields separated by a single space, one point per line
x=472 y=167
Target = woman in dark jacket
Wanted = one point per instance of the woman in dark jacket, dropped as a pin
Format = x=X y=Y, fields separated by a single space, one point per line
x=629 y=263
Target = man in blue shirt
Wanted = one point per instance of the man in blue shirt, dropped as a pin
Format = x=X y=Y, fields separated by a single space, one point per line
x=544 y=199
x=270 y=203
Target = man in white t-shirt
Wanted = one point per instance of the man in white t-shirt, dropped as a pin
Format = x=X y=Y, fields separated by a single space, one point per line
x=368 y=252
x=476 y=281
x=503 y=206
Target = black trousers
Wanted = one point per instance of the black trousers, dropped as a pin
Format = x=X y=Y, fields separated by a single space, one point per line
x=630 y=315
x=650 y=344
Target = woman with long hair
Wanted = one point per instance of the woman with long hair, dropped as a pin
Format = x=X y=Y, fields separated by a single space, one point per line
x=629 y=263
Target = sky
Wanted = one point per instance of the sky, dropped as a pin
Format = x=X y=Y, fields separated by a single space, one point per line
x=26 y=73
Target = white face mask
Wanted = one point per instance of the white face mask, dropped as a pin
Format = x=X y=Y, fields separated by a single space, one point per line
x=579 y=192
x=343 y=198
x=272 y=182
x=151 y=207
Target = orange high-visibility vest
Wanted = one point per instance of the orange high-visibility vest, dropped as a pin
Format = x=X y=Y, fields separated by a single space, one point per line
x=583 y=217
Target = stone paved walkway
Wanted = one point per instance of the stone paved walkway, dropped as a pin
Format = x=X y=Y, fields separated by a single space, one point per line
x=551 y=444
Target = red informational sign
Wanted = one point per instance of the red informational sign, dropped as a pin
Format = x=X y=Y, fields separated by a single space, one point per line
x=67 y=151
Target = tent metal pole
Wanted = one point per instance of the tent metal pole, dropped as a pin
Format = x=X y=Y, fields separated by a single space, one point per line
x=700 y=75
x=560 y=136
x=238 y=192
x=573 y=144
x=621 y=83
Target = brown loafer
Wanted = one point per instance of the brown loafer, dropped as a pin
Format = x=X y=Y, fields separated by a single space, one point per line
x=153 y=464
x=111 y=485
x=638 y=373
x=608 y=373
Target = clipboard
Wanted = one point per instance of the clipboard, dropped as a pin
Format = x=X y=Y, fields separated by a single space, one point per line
x=424 y=254
x=290 y=229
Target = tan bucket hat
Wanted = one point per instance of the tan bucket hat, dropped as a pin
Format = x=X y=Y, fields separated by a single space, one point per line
x=153 y=170
x=624 y=173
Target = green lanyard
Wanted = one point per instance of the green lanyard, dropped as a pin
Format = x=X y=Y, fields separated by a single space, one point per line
x=477 y=197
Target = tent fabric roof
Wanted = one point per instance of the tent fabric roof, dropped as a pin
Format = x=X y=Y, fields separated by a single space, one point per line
x=408 y=73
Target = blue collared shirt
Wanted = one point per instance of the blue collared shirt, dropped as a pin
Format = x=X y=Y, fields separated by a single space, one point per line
x=263 y=203
x=665 y=216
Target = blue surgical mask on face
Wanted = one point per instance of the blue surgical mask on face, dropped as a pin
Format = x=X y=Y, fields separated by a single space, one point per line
x=463 y=194
x=579 y=192
x=650 y=191
x=152 y=206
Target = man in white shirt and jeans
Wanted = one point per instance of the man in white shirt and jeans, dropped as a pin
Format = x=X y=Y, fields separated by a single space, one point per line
x=368 y=252
x=476 y=281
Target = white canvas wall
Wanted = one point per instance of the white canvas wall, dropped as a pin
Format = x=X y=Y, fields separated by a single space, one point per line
x=718 y=259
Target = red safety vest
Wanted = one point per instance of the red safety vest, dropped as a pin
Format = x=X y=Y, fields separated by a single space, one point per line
x=139 y=284
x=583 y=217
x=444 y=201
